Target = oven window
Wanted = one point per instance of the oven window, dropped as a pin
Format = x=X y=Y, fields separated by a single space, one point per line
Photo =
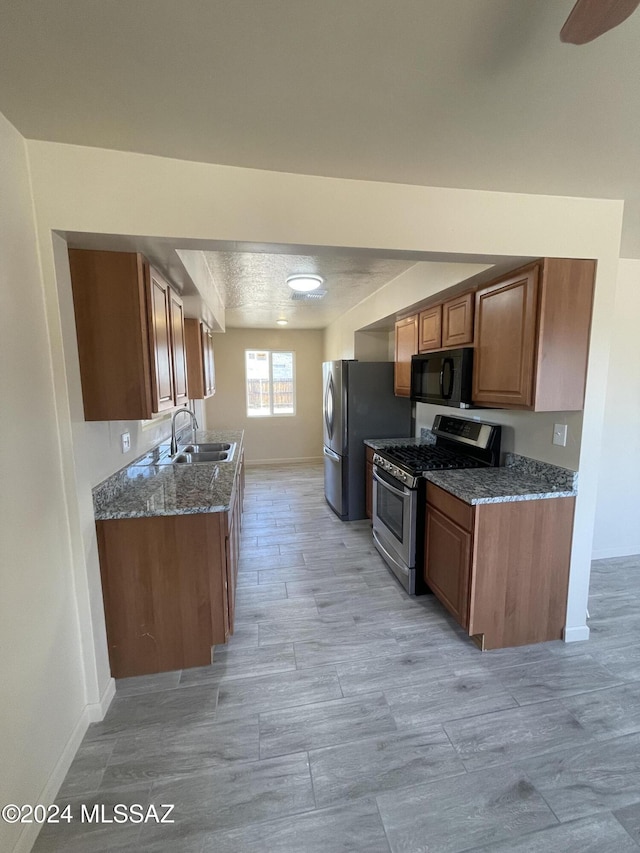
x=390 y=511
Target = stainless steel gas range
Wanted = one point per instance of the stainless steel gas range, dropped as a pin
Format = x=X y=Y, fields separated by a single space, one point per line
x=399 y=489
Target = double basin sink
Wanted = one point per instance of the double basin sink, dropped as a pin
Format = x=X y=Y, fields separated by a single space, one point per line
x=191 y=454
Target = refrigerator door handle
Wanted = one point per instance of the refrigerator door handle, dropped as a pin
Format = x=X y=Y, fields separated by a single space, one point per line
x=328 y=406
x=331 y=454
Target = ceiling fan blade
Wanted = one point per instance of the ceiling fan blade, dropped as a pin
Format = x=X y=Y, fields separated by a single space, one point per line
x=591 y=18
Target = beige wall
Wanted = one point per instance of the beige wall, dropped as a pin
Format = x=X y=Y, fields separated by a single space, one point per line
x=277 y=438
x=43 y=690
x=617 y=532
x=526 y=433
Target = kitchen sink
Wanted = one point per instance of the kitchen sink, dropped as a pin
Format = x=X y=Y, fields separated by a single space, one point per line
x=191 y=454
x=205 y=448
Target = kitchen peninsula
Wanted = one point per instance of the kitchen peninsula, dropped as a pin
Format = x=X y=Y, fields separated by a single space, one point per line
x=168 y=541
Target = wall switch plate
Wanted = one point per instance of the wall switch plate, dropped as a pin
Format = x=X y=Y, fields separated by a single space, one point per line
x=560 y=434
x=125 y=442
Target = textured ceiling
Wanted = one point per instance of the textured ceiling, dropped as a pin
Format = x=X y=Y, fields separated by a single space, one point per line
x=255 y=293
x=460 y=93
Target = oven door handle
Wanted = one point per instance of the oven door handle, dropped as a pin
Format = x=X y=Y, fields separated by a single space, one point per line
x=401 y=567
x=401 y=494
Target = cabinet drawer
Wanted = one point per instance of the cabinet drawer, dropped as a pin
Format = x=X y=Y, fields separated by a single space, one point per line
x=452 y=507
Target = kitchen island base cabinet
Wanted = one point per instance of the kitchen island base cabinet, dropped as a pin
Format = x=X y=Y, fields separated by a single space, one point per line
x=165 y=583
x=501 y=569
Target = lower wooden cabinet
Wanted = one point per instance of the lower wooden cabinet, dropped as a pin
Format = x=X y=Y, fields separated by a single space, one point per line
x=447 y=563
x=169 y=585
x=232 y=544
x=368 y=481
x=501 y=569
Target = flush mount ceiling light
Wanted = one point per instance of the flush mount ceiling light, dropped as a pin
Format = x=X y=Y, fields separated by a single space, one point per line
x=304 y=283
x=282 y=322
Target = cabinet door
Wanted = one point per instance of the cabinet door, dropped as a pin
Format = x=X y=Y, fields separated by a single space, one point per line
x=447 y=567
x=162 y=388
x=207 y=362
x=110 y=307
x=178 y=348
x=505 y=336
x=457 y=321
x=233 y=553
x=406 y=346
x=430 y=326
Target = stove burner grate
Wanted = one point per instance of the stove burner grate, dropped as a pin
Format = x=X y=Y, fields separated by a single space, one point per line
x=427 y=457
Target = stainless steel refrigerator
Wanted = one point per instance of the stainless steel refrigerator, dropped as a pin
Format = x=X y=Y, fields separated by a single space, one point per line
x=358 y=403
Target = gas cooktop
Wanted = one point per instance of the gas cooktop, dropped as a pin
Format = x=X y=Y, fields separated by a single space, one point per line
x=460 y=443
x=426 y=457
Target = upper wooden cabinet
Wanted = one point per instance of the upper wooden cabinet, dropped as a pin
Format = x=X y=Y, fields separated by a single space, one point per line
x=532 y=337
x=130 y=334
x=200 y=364
x=178 y=349
x=449 y=324
x=457 y=321
x=430 y=329
x=406 y=346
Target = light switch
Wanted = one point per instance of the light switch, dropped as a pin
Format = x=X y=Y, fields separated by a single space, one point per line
x=560 y=434
x=125 y=442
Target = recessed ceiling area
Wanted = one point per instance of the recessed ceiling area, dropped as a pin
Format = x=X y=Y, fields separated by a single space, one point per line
x=254 y=289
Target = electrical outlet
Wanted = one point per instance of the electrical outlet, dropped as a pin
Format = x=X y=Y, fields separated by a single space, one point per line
x=125 y=442
x=560 y=434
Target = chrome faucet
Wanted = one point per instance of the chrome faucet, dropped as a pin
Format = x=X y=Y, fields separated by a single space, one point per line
x=194 y=427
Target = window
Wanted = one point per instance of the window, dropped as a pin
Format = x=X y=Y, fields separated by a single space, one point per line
x=270 y=381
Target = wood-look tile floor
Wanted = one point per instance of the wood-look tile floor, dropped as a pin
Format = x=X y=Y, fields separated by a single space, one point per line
x=346 y=716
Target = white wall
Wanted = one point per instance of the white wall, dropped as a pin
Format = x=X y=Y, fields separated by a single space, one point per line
x=617 y=527
x=285 y=438
x=110 y=192
x=42 y=712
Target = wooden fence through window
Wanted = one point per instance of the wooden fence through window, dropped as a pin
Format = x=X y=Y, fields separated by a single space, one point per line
x=258 y=394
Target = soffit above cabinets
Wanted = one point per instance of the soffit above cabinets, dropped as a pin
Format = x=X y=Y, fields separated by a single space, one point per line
x=232 y=284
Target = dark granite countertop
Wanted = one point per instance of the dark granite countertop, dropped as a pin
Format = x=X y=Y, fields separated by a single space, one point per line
x=153 y=485
x=519 y=478
x=498 y=485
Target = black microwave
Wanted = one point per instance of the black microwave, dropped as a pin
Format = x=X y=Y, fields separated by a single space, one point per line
x=443 y=378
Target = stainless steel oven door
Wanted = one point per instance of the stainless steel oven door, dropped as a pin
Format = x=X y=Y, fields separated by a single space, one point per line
x=394 y=519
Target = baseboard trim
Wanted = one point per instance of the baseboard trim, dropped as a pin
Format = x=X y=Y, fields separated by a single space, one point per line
x=91 y=713
x=98 y=710
x=605 y=553
x=298 y=460
x=576 y=635
x=50 y=791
